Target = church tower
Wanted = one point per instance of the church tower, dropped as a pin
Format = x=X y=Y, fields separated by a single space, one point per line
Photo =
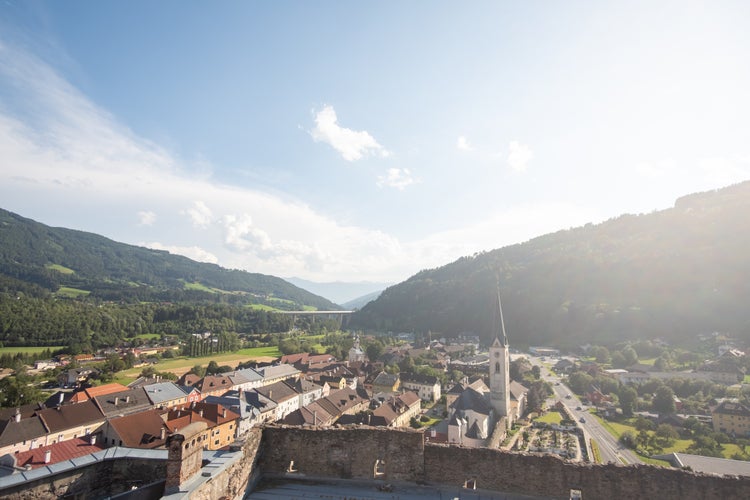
x=499 y=365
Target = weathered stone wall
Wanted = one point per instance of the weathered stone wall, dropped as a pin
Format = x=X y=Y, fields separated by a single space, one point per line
x=99 y=480
x=232 y=482
x=351 y=453
x=347 y=453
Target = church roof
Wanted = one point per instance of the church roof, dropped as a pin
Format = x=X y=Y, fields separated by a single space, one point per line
x=472 y=400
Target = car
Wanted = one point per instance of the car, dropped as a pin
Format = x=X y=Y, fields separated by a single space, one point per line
x=579 y=408
x=568 y=396
x=582 y=420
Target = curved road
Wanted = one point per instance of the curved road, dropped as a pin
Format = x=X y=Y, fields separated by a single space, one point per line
x=610 y=450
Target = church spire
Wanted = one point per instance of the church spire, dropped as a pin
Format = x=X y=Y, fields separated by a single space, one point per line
x=498 y=324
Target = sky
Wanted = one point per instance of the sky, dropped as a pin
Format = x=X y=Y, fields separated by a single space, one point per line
x=364 y=141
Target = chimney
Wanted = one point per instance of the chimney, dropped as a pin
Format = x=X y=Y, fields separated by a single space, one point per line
x=62 y=398
x=92 y=439
x=201 y=412
x=18 y=415
x=47 y=456
x=224 y=413
x=127 y=399
x=117 y=400
x=270 y=394
x=163 y=433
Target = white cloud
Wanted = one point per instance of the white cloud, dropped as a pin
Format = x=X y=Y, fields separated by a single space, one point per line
x=398 y=178
x=463 y=144
x=194 y=252
x=199 y=214
x=146 y=218
x=519 y=156
x=352 y=144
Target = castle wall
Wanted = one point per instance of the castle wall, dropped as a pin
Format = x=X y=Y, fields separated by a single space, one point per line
x=98 y=480
x=351 y=453
x=347 y=453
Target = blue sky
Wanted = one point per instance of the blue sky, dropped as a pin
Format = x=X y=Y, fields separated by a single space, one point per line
x=359 y=141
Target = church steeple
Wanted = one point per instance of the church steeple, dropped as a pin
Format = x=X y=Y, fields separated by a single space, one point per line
x=500 y=365
x=498 y=324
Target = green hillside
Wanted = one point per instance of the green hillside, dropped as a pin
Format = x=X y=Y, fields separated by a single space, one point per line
x=672 y=274
x=39 y=260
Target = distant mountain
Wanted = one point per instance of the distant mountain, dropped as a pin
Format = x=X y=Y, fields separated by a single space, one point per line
x=339 y=292
x=671 y=274
x=360 y=302
x=38 y=258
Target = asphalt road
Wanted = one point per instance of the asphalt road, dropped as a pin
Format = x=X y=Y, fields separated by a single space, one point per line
x=610 y=450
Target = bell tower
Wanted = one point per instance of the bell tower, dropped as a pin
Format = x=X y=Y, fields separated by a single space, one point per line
x=499 y=364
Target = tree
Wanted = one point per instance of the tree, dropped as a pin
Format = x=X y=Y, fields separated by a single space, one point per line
x=630 y=356
x=666 y=434
x=536 y=371
x=374 y=350
x=601 y=354
x=628 y=400
x=663 y=401
x=580 y=382
x=198 y=370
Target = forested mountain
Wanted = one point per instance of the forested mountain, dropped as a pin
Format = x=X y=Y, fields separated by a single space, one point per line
x=39 y=259
x=671 y=274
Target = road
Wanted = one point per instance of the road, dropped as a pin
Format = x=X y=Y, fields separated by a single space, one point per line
x=610 y=450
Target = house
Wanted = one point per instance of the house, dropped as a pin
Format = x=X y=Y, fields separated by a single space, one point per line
x=397 y=411
x=224 y=427
x=121 y=403
x=329 y=409
x=426 y=386
x=723 y=371
x=564 y=366
x=284 y=395
x=71 y=421
x=19 y=434
x=57 y=452
x=213 y=385
x=476 y=383
x=92 y=392
x=277 y=373
x=597 y=397
x=386 y=382
x=193 y=394
x=166 y=395
x=265 y=407
x=308 y=391
x=236 y=402
x=145 y=429
x=732 y=418
x=74 y=376
x=245 y=379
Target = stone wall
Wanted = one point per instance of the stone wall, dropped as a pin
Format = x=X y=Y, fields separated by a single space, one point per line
x=351 y=453
x=346 y=453
x=232 y=482
x=98 y=480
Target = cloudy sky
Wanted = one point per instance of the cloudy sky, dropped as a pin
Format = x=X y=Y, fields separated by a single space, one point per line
x=364 y=141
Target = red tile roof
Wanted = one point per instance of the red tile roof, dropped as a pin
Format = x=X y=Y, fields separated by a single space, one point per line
x=59 y=452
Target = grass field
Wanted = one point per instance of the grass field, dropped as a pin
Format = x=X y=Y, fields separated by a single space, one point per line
x=255 y=352
x=198 y=286
x=551 y=417
x=60 y=269
x=28 y=350
x=262 y=307
x=180 y=366
x=66 y=291
x=148 y=336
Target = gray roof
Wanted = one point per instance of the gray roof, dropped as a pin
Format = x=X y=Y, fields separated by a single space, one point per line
x=249 y=374
x=385 y=379
x=163 y=391
x=472 y=400
x=276 y=371
x=708 y=465
x=12 y=432
x=123 y=402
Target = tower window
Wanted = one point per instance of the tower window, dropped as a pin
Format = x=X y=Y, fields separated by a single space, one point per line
x=497 y=367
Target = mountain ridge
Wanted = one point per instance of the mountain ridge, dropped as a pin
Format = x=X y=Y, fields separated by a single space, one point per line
x=673 y=273
x=50 y=258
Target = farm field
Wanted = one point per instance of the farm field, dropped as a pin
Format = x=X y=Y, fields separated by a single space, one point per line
x=28 y=350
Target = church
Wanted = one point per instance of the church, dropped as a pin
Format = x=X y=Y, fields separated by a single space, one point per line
x=480 y=416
